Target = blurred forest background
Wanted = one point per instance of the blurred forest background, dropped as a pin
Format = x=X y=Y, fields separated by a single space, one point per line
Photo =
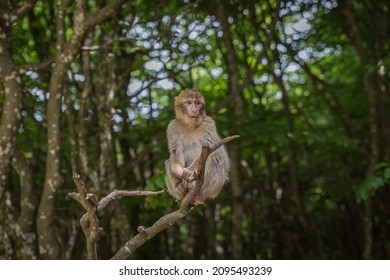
x=89 y=86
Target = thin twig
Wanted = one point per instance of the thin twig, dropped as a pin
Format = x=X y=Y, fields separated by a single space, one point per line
x=115 y=194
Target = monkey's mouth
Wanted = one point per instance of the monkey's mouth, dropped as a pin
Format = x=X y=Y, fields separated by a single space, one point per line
x=194 y=118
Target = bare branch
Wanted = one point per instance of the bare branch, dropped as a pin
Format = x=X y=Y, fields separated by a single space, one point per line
x=35 y=67
x=146 y=233
x=103 y=13
x=25 y=8
x=164 y=33
x=90 y=224
x=120 y=193
x=89 y=221
x=223 y=142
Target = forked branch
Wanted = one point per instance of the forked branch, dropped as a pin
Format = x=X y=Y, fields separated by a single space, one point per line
x=146 y=233
x=90 y=223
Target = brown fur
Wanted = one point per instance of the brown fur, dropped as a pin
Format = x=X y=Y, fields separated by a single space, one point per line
x=186 y=134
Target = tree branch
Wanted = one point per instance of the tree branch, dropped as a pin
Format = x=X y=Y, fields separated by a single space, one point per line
x=120 y=193
x=25 y=8
x=185 y=208
x=35 y=67
x=89 y=222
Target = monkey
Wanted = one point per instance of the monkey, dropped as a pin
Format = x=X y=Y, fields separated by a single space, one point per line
x=186 y=134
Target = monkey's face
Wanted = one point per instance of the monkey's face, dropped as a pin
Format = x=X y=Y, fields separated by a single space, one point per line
x=193 y=108
x=189 y=107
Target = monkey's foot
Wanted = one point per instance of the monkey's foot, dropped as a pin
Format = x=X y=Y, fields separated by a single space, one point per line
x=198 y=202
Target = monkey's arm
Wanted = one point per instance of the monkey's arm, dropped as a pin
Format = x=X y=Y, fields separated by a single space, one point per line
x=176 y=162
x=176 y=150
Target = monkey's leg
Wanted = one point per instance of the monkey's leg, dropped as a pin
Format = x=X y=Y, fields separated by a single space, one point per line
x=214 y=178
x=198 y=202
x=181 y=189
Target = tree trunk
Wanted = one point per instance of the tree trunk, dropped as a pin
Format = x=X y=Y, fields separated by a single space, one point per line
x=66 y=52
x=234 y=89
x=373 y=123
x=26 y=237
x=10 y=82
x=48 y=243
x=9 y=124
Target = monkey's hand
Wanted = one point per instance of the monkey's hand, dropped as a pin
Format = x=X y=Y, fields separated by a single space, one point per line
x=190 y=174
x=177 y=171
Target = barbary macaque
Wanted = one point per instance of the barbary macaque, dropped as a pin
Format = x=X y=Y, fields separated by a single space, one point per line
x=186 y=135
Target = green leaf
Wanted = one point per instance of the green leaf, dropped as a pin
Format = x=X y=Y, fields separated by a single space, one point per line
x=368 y=187
x=382 y=165
x=386 y=173
x=156 y=183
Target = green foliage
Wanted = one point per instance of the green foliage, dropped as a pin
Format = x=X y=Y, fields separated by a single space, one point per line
x=305 y=125
x=369 y=187
x=156 y=183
